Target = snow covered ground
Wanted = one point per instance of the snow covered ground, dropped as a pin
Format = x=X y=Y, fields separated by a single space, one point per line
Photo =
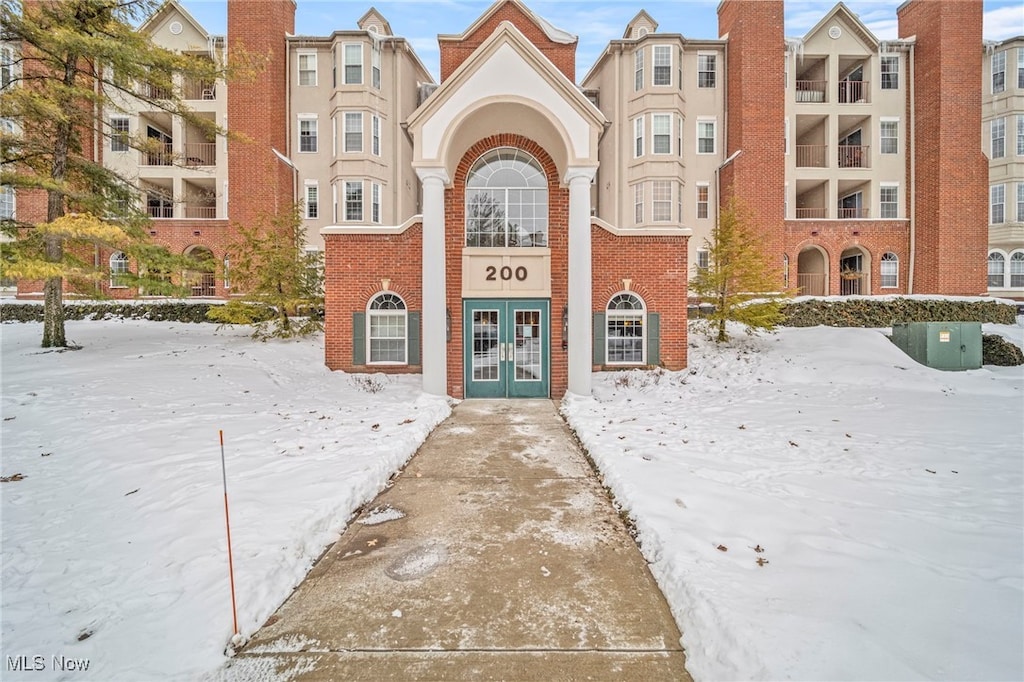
x=887 y=497
x=114 y=547
x=883 y=499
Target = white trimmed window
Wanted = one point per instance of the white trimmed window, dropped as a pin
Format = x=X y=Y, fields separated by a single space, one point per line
x=890 y=68
x=661 y=133
x=679 y=136
x=662 y=65
x=890 y=270
x=706 y=70
x=998 y=138
x=387 y=330
x=638 y=137
x=703 y=259
x=312 y=199
x=998 y=71
x=353 y=131
x=703 y=189
x=638 y=203
x=6 y=202
x=625 y=338
x=888 y=201
x=785 y=270
x=1020 y=67
x=638 y=69
x=996 y=269
x=996 y=204
x=6 y=66
x=1017 y=269
x=375 y=139
x=119 y=134
x=353 y=200
x=307 y=68
x=375 y=203
x=661 y=197
x=227 y=272
x=507 y=200
x=706 y=136
x=1020 y=202
x=1020 y=131
x=888 y=135
x=375 y=64
x=353 y=63
x=307 y=135
x=118 y=270
x=679 y=69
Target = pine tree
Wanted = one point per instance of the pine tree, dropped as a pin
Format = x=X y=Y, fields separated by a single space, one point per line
x=80 y=60
x=283 y=282
x=739 y=281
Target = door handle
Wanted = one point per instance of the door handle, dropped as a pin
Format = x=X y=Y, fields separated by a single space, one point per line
x=501 y=352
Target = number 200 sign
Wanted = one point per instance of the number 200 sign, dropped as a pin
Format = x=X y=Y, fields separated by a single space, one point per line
x=506 y=273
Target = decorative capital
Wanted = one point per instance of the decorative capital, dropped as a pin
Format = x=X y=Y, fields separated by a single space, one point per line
x=432 y=175
x=580 y=175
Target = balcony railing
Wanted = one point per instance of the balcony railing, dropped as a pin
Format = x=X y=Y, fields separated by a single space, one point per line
x=854 y=156
x=151 y=91
x=156 y=211
x=198 y=90
x=852 y=284
x=811 y=91
x=852 y=213
x=201 y=153
x=854 y=92
x=811 y=155
x=162 y=154
x=812 y=213
x=200 y=212
x=811 y=283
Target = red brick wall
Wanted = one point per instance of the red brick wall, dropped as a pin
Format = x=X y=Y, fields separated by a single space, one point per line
x=354 y=266
x=658 y=270
x=952 y=173
x=558 y=242
x=755 y=119
x=453 y=53
x=875 y=237
x=257 y=110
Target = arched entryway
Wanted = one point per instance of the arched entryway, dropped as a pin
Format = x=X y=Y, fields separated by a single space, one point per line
x=854 y=272
x=812 y=271
x=201 y=278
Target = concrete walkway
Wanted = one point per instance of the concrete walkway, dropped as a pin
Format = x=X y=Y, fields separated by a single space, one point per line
x=495 y=555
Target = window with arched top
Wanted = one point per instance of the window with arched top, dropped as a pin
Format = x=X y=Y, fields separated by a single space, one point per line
x=625 y=323
x=996 y=269
x=118 y=270
x=890 y=270
x=506 y=200
x=1017 y=269
x=387 y=330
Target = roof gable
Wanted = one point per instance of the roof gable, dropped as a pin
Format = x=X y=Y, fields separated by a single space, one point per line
x=554 y=34
x=642 y=20
x=842 y=13
x=374 y=19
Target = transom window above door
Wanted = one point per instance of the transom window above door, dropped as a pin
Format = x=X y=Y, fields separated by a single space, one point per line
x=506 y=200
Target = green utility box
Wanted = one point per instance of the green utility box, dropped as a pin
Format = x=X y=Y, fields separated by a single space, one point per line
x=941 y=345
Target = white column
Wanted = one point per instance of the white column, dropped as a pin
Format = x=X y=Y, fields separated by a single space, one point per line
x=580 y=313
x=435 y=346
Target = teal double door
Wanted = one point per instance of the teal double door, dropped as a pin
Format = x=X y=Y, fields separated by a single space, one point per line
x=507 y=348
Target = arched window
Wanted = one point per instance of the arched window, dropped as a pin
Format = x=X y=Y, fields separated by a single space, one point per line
x=118 y=270
x=626 y=325
x=996 y=269
x=1017 y=269
x=506 y=200
x=890 y=270
x=387 y=330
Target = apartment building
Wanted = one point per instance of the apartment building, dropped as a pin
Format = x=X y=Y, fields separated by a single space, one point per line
x=511 y=229
x=1003 y=142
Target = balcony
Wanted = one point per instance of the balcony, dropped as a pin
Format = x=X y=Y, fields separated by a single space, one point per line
x=853 y=283
x=811 y=91
x=200 y=153
x=811 y=155
x=852 y=213
x=198 y=90
x=812 y=213
x=854 y=92
x=854 y=156
x=200 y=211
x=160 y=209
x=158 y=154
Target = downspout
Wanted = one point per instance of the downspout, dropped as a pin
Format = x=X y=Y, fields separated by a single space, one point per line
x=913 y=174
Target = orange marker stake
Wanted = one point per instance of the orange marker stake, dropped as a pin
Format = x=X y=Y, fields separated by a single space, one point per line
x=227 y=522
